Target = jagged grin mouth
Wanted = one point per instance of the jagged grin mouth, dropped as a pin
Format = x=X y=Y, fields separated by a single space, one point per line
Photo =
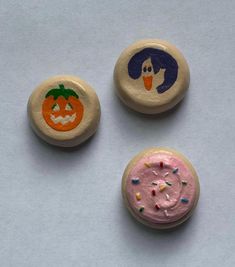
x=63 y=120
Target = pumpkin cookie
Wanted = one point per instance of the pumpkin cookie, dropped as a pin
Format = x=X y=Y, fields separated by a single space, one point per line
x=64 y=111
x=160 y=188
x=151 y=76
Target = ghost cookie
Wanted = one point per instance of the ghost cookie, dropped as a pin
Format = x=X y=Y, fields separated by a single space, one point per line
x=64 y=111
x=160 y=188
x=151 y=76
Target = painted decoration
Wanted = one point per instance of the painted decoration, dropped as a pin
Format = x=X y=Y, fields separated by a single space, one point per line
x=147 y=63
x=62 y=109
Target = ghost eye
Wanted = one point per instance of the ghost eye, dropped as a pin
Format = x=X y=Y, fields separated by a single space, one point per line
x=149 y=69
x=56 y=107
x=68 y=107
x=144 y=69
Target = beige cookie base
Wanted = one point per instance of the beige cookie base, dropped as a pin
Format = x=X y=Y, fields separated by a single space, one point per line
x=88 y=124
x=144 y=101
x=133 y=162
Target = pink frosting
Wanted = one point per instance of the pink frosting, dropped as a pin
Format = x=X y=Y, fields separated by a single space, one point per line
x=160 y=188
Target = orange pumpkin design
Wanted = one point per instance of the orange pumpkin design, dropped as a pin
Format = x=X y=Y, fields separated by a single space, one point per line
x=62 y=110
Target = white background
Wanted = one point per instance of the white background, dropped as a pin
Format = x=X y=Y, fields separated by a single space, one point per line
x=64 y=208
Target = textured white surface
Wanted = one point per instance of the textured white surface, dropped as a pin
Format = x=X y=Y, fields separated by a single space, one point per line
x=64 y=208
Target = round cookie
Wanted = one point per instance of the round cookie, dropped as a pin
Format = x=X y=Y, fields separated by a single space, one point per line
x=64 y=111
x=151 y=76
x=160 y=188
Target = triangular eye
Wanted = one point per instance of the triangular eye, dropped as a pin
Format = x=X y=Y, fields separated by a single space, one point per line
x=68 y=107
x=56 y=107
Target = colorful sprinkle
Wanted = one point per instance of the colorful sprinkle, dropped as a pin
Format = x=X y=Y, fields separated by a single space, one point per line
x=175 y=170
x=154 y=183
x=162 y=187
x=135 y=180
x=157 y=207
x=184 y=183
x=138 y=196
x=155 y=173
x=167 y=197
x=161 y=164
x=147 y=165
x=166 y=213
x=141 y=209
x=166 y=174
x=168 y=183
x=153 y=192
x=184 y=200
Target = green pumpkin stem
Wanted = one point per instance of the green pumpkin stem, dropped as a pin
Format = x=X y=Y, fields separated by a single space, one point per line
x=61 y=91
x=61 y=86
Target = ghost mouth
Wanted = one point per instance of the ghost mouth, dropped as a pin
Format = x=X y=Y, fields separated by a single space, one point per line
x=63 y=120
x=148 y=80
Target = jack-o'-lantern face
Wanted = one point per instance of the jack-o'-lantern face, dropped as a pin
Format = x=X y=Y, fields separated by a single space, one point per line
x=62 y=110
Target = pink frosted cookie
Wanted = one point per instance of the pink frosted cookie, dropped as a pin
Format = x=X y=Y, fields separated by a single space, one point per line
x=160 y=188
